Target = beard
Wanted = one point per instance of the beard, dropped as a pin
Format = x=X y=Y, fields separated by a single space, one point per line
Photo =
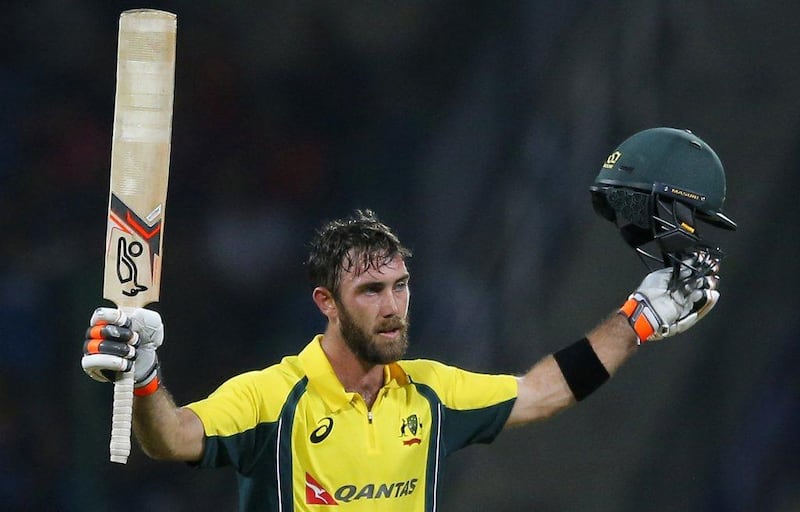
x=370 y=347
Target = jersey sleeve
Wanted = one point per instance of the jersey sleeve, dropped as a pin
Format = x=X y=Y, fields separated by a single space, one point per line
x=239 y=420
x=475 y=406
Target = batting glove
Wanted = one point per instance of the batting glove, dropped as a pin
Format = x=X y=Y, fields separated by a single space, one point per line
x=118 y=337
x=663 y=306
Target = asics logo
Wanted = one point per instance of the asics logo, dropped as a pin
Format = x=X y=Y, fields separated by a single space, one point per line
x=321 y=432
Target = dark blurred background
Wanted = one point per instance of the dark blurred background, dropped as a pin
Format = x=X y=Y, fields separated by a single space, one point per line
x=474 y=128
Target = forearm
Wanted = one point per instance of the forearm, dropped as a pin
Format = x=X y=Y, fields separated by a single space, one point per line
x=545 y=391
x=613 y=341
x=166 y=431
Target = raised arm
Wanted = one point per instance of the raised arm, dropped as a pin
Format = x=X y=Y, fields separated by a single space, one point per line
x=654 y=311
x=165 y=431
x=115 y=338
x=544 y=390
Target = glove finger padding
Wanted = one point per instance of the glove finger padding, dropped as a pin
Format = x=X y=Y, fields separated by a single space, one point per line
x=102 y=316
x=709 y=300
x=698 y=265
x=112 y=332
x=116 y=338
x=104 y=367
x=109 y=348
x=703 y=306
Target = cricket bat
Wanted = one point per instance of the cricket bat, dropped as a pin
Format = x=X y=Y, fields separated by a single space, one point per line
x=140 y=152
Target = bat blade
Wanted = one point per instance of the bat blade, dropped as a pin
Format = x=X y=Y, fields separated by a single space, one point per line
x=140 y=154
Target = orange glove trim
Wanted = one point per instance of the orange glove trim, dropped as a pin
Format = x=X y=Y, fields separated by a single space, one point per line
x=149 y=388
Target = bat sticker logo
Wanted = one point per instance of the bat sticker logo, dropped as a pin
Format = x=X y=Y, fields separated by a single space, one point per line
x=137 y=246
x=126 y=266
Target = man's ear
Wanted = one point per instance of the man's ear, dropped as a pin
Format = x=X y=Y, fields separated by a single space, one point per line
x=324 y=300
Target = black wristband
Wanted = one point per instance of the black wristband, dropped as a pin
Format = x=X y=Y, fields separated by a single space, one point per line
x=581 y=368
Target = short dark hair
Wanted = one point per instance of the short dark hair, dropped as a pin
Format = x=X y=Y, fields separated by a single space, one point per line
x=359 y=240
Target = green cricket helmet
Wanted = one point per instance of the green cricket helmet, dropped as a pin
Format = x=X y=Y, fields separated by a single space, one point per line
x=657 y=185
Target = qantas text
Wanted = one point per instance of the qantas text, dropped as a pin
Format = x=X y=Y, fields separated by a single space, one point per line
x=347 y=493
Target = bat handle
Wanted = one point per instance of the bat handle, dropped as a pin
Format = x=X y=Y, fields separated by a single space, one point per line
x=121 y=419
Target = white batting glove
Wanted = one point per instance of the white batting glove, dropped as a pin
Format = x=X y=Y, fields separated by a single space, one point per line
x=657 y=310
x=118 y=337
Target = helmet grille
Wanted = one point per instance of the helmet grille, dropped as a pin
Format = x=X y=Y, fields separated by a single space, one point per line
x=631 y=205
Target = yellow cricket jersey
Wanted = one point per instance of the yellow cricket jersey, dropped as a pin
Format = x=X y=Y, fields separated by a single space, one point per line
x=300 y=442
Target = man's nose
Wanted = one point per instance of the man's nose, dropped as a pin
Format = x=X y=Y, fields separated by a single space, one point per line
x=389 y=304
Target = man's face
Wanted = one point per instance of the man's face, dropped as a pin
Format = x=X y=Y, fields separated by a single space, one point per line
x=373 y=312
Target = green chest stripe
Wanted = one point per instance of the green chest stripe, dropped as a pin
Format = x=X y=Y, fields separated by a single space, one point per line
x=434 y=448
x=283 y=455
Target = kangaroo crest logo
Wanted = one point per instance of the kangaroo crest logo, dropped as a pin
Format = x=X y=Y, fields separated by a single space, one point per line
x=409 y=428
